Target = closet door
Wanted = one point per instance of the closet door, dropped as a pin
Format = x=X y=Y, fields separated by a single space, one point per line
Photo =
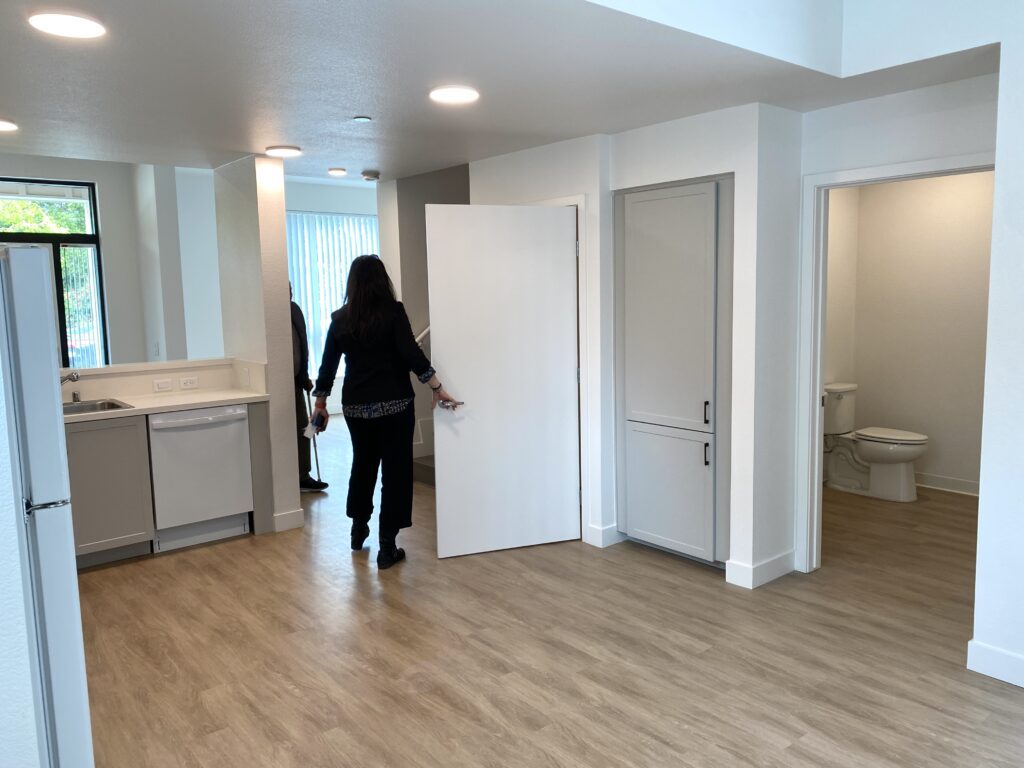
x=670 y=489
x=670 y=242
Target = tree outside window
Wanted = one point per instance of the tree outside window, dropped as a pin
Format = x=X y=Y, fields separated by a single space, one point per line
x=63 y=216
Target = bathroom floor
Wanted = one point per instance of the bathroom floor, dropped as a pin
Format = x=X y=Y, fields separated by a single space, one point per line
x=289 y=650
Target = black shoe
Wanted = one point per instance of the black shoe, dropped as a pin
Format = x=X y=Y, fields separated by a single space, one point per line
x=309 y=485
x=389 y=555
x=359 y=533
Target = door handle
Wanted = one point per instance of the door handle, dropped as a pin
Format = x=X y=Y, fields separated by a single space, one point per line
x=707 y=459
x=707 y=415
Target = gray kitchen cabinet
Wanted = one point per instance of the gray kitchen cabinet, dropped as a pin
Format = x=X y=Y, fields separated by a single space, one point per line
x=111 y=493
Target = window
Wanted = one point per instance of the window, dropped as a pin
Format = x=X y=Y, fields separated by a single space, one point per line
x=63 y=215
x=321 y=247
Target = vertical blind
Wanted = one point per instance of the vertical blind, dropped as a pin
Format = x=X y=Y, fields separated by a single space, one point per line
x=321 y=247
x=82 y=309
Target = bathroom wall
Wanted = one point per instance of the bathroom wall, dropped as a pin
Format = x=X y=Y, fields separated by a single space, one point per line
x=921 y=302
x=841 y=287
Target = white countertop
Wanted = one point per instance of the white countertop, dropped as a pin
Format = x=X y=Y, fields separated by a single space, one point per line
x=163 y=402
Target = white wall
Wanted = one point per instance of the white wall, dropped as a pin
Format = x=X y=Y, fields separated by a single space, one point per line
x=147 y=216
x=115 y=185
x=200 y=267
x=922 y=305
x=879 y=34
x=310 y=196
x=941 y=121
x=761 y=146
x=255 y=306
x=841 y=290
x=567 y=169
x=19 y=737
x=778 y=216
x=919 y=291
x=882 y=33
x=710 y=145
x=805 y=32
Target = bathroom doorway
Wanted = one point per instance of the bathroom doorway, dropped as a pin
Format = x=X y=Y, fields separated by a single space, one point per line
x=893 y=445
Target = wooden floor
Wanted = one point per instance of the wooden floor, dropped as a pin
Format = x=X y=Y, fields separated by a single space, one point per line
x=289 y=650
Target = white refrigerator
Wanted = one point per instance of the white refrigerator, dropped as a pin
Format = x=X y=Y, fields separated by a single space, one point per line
x=32 y=399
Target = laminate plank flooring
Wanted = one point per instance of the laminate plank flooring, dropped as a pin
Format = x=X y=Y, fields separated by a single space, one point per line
x=290 y=650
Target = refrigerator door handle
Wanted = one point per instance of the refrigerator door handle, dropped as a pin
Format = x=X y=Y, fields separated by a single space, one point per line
x=30 y=507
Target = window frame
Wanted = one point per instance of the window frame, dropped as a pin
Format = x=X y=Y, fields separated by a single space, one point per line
x=56 y=241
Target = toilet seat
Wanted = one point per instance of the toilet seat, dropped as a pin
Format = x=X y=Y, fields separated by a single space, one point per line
x=890 y=436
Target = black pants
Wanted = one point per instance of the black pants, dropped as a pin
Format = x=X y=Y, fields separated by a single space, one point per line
x=301 y=422
x=384 y=442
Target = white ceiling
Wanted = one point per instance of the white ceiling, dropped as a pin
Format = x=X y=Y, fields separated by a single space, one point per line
x=203 y=82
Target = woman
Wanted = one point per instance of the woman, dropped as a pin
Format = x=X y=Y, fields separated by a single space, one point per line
x=373 y=332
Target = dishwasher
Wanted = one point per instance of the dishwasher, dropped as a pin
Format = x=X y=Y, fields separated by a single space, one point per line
x=202 y=475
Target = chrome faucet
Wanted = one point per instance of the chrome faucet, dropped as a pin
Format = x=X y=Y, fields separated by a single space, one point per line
x=73 y=376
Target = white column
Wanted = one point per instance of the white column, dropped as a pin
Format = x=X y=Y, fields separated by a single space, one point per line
x=998 y=645
x=255 y=304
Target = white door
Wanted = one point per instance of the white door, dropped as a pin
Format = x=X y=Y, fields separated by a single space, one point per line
x=670 y=489
x=503 y=311
x=670 y=241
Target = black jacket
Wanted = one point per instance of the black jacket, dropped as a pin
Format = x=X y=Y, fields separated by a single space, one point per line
x=376 y=370
x=300 y=345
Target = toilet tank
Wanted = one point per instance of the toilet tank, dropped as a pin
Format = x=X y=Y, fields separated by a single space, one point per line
x=840 y=408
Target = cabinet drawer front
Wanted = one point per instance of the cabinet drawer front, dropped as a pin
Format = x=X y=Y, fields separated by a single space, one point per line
x=670 y=489
x=111 y=497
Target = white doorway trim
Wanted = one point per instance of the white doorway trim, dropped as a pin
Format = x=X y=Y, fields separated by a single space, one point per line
x=590 y=439
x=810 y=325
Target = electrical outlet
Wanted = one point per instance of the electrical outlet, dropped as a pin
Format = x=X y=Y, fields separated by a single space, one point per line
x=163 y=385
x=189 y=382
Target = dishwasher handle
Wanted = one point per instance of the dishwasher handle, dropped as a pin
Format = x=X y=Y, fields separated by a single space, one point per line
x=198 y=420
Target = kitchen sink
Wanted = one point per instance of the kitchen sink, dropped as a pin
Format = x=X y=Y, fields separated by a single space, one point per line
x=93 y=406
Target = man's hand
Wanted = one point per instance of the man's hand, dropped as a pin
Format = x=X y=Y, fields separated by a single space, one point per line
x=320 y=408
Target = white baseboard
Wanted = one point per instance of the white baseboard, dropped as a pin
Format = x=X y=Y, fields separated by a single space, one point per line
x=995 y=662
x=753 y=576
x=284 y=521
x=943 y=483
x=602 y=536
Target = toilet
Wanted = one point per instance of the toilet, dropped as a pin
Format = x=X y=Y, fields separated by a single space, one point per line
x=876 y=461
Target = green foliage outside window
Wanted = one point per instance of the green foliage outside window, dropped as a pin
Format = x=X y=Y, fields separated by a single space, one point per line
x=57 y=217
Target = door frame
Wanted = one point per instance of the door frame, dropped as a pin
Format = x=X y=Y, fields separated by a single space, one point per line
x=811 y=327
x=589 y=492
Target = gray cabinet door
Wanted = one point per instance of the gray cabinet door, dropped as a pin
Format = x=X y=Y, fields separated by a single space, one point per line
x=670 y=489
x=669 y=240
x=111 y=494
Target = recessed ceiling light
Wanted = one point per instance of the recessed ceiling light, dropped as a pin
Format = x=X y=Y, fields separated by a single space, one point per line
x=283 y=150
x=337 y=172
x=454 y=94
x=6 y=126
x=361 y=119
x=67 y=25
x=371 y=175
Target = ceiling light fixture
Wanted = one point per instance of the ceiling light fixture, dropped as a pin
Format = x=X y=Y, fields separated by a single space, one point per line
x=337 y=172
x=283 y=150
x=67 y=25
x=454 y=94
x=371 y=175
x=361 y=119
x=6 y=126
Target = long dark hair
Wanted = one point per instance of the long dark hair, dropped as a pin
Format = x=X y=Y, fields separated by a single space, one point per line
x=369 y=296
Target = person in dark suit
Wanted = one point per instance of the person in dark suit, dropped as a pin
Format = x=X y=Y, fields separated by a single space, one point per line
x=300 y=364
x=372 y=331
